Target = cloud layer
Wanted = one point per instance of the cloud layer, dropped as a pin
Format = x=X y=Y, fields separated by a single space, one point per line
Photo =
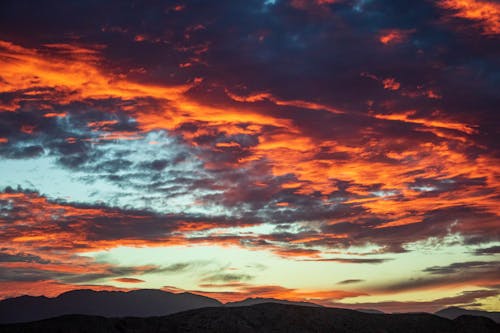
x=341 y=132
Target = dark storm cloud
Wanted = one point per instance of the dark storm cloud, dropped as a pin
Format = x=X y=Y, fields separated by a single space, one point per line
x=479 y=273
x=487 y=251
x=227 y=277
x=353 y=260
x=21 y=257
x=25 y=152
x=285 y=29
x=350 y=281
x=29 y=274
x=260 y=38
x=173 y=268
x=83 y=138
x=436 y=223
x=118 y=271
x=67 y=135
x=97 y=223
x=462 y=266
x=25 y=274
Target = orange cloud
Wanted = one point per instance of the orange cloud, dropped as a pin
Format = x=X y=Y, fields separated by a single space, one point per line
x=54 y=114
x=485 y=13
x=366 y=160
x=391 y=84
x=394 y=36
x=28 y=129
x=408 y=118
x=129 y=280
x=38 y=223
x=258 y=97
x=239 y=291
x=46 y=288
x=85 y=79
x=73 y=69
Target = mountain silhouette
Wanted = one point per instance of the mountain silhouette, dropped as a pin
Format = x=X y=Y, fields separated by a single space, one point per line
x=264 y=317
x=138 y=303
x=370 y=311
x=259 y=300
x=455 y=312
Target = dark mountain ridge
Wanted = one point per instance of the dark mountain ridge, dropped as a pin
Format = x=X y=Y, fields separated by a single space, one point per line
x=99 y=306
x=265 y=317
x=137 y=303
x=455 y=312
x=259 y=300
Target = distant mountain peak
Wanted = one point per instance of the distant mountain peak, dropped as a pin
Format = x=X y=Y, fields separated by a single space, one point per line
x=375 y=311
x=139 y=303
x=259 y=300
x=454 y=312
x=78 y=292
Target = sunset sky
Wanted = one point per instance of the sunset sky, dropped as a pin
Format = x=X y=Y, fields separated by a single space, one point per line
x=343 y=152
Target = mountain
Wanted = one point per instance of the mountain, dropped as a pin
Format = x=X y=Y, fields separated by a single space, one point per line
x=370 y=311
x=264 y=317
x=259 y=300
x=454 y=312
x=139 y=303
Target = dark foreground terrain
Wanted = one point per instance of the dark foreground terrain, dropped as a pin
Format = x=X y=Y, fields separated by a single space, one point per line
x=266 y=317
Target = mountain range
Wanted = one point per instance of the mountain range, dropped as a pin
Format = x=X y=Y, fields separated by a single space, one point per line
x=455 y=312
x=110 y=311
x=259 y=300
x=264 y=317
x=136 y=303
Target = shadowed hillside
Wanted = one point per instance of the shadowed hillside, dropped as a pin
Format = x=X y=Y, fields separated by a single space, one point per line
x=266 y=317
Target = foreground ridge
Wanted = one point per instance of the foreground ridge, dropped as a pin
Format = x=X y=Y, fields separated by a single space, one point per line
x=265 y=317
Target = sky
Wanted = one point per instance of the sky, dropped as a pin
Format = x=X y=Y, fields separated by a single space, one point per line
x=343 y=152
